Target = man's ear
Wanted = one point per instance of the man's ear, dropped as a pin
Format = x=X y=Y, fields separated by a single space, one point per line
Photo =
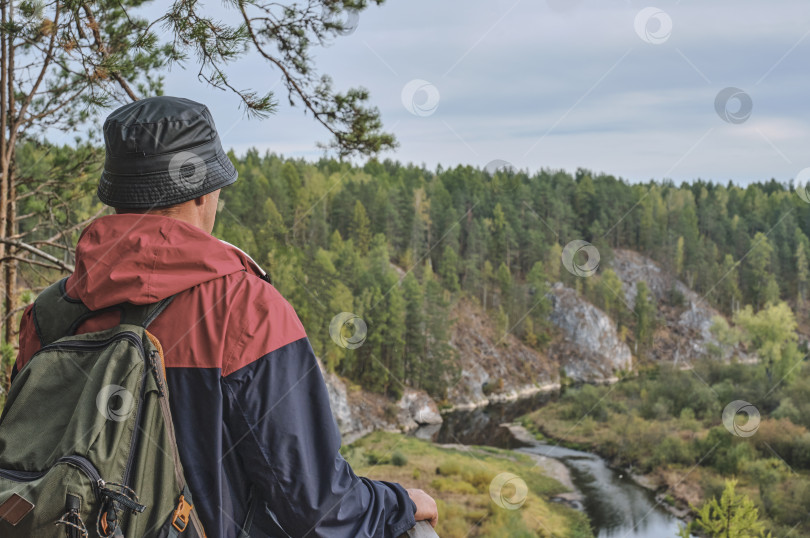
x=200 y=200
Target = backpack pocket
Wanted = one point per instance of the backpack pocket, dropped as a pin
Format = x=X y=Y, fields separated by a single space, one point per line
x=46 y=504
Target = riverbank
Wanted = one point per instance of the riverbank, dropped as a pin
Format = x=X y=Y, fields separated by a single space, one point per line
x=474 y=495
x=665 y=430
x=676 y=487
x=652 y=482
x=551 y=466
x=517 y=394
x=615 y=504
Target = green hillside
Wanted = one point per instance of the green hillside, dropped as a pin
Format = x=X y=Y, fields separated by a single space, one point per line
x=397 y=244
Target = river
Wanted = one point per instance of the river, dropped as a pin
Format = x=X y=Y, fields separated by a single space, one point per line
x=616 y=505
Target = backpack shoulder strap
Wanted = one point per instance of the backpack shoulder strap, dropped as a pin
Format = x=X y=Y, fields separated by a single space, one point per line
x=143 y=315
x=56 y=314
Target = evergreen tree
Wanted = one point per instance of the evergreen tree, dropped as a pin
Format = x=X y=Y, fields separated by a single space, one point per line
x=732 y=516
x=439 y=359
x=488 y=276
x=538 y=290
x=505 y=285
x=679 y=257
x=360 y=228
x=758 y=273
x=645 y=312
x=802 y=271
x=553 y=262
x=727 y=289
x=448 y=269
x=499 y=249
x=413 y=349
x=611 y=294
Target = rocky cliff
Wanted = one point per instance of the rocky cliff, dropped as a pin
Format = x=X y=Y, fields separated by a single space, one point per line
x=588 y=348
x=686 y=317
x=496 y=367
x=358 y=412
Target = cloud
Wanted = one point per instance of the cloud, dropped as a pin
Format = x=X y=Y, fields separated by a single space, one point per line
x=561 y=84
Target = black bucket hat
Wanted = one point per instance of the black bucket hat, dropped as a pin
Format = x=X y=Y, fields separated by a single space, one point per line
x=161 y=151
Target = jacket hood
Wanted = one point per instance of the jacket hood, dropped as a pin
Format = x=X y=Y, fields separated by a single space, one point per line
x=142 y=259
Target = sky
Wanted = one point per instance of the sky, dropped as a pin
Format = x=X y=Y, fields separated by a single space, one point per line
x=631 y=89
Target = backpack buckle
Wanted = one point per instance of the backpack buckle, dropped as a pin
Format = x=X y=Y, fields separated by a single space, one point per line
x=181 y=514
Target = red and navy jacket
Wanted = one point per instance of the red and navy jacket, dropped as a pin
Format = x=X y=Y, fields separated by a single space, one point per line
x=249 y=402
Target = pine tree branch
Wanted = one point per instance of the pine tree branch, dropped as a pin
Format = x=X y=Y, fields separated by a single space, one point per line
x=30 y=261
x=290 y=79
x=102 y=49
x=76 y=226
x=15 y=127
x=41 y=253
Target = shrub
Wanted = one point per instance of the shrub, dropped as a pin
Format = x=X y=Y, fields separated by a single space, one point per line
x=662 y=408
x=675 y=297
x=789 y=441
x=687 y=420
x=375 y=458
x=449 y=468
x=391 y=410
x=673 y=450
x=399 y=459
x=493 y=385
x=480 y=479
x=585 y=401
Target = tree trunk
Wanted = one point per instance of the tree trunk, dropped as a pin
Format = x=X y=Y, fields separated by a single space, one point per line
x=10 y=274
x=5 y=183
x=8 y=202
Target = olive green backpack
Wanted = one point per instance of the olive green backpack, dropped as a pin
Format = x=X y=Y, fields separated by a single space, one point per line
x=87 y=444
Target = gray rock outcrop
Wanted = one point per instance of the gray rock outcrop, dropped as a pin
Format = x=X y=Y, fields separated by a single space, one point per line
x=493 y=366
x=688 y=326
x=590 y=349
x=358 y=412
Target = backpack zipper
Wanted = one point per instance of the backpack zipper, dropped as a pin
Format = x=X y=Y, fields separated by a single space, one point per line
x=92 y=344
x=79 y=462
x=21 y=476
x=89 y=345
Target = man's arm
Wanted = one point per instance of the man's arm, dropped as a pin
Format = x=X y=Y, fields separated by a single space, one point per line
x=279 y=416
